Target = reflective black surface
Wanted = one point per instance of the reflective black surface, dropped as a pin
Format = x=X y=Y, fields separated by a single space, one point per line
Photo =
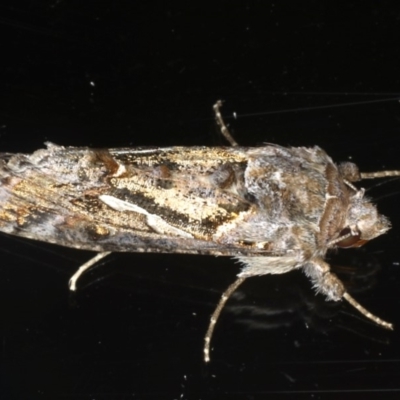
x=120 y=74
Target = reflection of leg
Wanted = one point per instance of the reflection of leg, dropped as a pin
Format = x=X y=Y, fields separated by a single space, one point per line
x=84 y=267
x=330 y=285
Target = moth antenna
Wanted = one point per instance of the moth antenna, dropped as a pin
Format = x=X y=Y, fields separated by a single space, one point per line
x=379 y=174
x=350 y=185
x=220 y=121
x=84 y=267
x=366 y=313
x=339 y=239
x=215 y=315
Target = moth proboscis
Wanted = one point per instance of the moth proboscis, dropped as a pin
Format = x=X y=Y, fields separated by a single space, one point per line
x=273 y=208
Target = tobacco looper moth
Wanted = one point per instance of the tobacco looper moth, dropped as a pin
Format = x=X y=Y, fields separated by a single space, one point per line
x=273 y=208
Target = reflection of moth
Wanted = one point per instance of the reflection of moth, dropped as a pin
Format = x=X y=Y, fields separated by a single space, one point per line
x=273 y=208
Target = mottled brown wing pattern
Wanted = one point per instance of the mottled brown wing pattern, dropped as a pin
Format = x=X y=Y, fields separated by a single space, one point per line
x=62 y=195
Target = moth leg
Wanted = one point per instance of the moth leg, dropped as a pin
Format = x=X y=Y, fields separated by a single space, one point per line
x=366 y=313
x=330 y=285
x=224 y=130
x=351 y=173
x=85 y=267
x=215 y=315
x=379 y=174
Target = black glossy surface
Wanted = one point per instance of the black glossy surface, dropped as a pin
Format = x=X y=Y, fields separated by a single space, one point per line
x=120 y=74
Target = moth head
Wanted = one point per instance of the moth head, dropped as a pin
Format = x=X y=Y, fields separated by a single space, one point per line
x=362 y=223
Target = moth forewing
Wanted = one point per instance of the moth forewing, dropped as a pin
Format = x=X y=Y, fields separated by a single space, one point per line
x=273 y=208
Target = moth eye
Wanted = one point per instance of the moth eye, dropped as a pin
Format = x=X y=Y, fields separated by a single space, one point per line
x=350 y=241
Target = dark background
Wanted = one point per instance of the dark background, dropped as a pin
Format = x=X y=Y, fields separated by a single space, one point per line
x=147 y=73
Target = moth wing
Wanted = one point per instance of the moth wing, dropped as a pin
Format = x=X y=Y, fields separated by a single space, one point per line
x=122 y=200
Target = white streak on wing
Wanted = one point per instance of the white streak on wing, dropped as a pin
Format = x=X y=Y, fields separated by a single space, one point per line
x=120 y=171
x=154 y=221
x=131 y=151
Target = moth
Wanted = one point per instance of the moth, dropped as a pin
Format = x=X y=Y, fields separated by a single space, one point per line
x=274 y=209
